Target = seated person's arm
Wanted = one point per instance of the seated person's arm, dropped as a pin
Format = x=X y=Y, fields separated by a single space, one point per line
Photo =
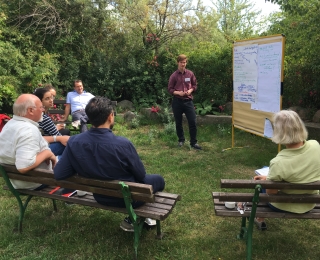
x=136 y=165
x=263 y=178
x=67 y=110
x=61 y=138
x=64 y=169
x=45 y=155
x=48 y=126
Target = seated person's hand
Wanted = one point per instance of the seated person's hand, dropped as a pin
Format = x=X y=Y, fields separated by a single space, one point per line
x=64 y=139
x=53 y=160
x=260 y=177
x=62 y=118
x=60 y=126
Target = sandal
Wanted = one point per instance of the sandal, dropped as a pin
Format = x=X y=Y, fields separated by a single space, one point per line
x=260 y=225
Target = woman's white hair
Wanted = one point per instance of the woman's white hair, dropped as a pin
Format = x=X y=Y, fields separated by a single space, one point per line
x=288 y=128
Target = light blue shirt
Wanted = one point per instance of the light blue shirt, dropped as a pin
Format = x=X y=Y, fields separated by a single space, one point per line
x=78 y=101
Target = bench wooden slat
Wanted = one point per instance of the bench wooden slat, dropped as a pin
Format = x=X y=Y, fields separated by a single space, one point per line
x=175 y=197
x=266 y=212
x=250 y=184
x=63 y=102
x=157 y=206
x=149 y=210
x=134 y=187
x=288 y=198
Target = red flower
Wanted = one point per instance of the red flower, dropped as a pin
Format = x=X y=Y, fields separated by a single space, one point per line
x=155 y=109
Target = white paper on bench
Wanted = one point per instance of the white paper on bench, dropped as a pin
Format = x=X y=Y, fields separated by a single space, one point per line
x=263 y=171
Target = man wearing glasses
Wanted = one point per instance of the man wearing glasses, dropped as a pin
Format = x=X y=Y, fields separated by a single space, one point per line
x=21 y=142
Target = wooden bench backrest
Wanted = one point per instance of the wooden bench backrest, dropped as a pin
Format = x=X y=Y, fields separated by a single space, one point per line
x=252 y=184
x=140 y=192
x=63 y=101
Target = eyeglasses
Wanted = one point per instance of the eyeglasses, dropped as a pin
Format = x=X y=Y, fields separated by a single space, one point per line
x=41 y=107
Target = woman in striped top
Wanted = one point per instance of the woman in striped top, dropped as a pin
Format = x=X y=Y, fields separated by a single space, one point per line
x=56 y=141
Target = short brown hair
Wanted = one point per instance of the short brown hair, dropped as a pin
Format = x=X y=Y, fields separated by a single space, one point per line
x=182 y=57
x=288 y=128
x=77 y=81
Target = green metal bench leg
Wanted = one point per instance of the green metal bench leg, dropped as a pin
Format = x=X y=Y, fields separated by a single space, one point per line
x=159 y=234
x=22 y=206
x=136 y=221
x=138 y=225
x=22 y=211
x=255 y=202
x=54 y=205
x=243 y=229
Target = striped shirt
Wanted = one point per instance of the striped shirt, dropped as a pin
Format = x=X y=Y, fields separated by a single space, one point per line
x=48 y=127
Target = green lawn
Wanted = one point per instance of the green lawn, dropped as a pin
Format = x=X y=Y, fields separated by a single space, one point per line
x=192 y=230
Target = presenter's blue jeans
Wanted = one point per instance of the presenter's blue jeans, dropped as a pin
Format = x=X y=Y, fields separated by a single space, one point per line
x=180 y=106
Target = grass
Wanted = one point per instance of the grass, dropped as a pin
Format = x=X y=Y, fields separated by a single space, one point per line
x=192 y=230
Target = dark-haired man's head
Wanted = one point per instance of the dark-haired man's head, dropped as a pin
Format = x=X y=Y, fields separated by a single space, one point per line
x=78 y=86
x=100 y=112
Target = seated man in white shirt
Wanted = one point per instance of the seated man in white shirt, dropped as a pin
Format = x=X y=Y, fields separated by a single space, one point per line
x=76 y=103
x=21 y=142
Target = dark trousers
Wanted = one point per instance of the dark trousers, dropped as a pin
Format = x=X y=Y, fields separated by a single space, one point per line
x=180 y=106
x=82 y=116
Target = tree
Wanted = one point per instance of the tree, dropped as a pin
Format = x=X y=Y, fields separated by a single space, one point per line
x=302 y=62
x=238 y=18
x=160 y=21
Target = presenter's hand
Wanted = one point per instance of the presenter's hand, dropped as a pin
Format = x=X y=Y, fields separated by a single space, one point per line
x=188 y=93
x=180 y=93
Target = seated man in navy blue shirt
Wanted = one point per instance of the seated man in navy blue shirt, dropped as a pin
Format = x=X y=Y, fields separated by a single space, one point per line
x=99 y=154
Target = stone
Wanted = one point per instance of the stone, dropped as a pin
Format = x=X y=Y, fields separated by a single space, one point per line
x=305 y=113
x=316 y=117
x=129 y=116
x=125 y=105
x=228 y=108
x=295 y=109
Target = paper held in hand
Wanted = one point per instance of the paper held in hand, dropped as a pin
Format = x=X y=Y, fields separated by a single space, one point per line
x=263 y=171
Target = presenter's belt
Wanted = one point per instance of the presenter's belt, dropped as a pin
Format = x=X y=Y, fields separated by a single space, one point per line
x=183 y=99
x=77 y=111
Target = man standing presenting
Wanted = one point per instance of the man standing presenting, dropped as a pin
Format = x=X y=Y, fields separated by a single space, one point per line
x=76 y=103
x=182 y=84
x=99 y=154
x=21 y=142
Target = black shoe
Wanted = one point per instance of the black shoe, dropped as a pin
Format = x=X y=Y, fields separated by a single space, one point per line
x=196 y=146
x=261 y=225
x=180 y=144
x=126 y=225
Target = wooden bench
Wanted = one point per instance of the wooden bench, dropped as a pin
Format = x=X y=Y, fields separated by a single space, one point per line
x=60 y=103
x=257 y=203
x=157 y=206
